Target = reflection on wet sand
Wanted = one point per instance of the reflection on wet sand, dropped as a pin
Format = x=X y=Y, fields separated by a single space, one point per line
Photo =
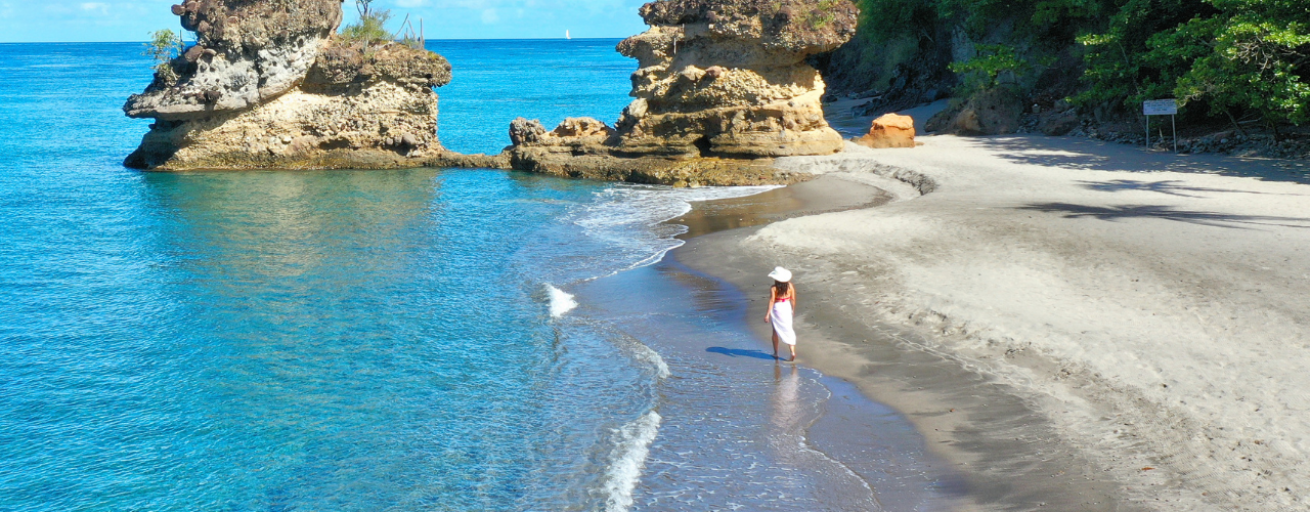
x=791 y=417
x=786 y=414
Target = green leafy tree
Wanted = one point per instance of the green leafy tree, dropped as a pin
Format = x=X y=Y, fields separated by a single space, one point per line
x=1236 y=56
x=1259 y=61
x=885 y=20
x=984 y=70
x=1034 y=33
x=164 y=46
x=1119 y=67
x=1232 y=58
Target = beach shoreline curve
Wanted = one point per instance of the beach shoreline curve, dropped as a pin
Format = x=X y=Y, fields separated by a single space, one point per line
x=995 y=390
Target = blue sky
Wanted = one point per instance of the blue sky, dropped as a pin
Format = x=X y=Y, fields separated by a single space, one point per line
x=110 y=20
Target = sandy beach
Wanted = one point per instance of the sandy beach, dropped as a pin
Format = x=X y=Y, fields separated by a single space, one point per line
x=1076 y=326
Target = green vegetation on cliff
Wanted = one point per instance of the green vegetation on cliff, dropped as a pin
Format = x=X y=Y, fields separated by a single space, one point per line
x=1224 y=58
x=164 y=46
x=371 y=27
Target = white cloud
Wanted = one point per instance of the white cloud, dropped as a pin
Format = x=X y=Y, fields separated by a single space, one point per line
x=99 y=7
x=489 y=16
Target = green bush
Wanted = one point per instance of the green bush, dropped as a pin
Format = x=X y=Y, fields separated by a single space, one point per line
x=371 y=28
x=164 y=46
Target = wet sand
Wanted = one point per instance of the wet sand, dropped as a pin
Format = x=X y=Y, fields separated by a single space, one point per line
x=1005 y=455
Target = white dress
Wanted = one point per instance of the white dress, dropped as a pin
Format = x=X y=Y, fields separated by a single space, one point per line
x=782 y=321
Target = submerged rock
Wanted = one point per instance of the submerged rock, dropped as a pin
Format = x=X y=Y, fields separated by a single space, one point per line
x=269 y=85
x=723 y=79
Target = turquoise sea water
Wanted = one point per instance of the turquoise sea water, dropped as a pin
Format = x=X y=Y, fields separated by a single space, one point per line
x=398 y=340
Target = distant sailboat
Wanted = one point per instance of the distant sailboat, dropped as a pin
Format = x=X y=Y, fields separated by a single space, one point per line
x=566 y=34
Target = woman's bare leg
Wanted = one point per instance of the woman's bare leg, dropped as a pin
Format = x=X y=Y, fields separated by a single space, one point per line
x=793 y=351
x=775 y=344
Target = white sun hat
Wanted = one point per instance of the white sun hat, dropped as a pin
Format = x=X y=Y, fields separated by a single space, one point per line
x=781 y=275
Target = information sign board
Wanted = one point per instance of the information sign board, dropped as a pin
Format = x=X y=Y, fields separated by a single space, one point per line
x=1160 y=107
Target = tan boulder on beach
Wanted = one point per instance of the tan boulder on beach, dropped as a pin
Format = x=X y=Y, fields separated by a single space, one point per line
x=889 y=131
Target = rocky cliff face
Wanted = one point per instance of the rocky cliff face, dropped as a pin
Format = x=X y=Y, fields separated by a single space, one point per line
x=269 y=86
x=729 y=77
x=716 y=78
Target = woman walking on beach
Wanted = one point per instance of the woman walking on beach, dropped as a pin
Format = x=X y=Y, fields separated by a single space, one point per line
x=782 y=304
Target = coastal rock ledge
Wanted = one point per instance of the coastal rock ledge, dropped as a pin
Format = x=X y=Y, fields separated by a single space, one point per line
x=720 y=83
x=269 y=85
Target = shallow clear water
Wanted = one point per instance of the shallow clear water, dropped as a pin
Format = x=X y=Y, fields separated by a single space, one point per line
x=355 y=340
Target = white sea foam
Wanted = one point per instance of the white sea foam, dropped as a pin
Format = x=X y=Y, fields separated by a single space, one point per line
x=628 y=459
x=643 y=353
x=624 y=210
x=561 y=302
x=637 y=205
x=630 y=219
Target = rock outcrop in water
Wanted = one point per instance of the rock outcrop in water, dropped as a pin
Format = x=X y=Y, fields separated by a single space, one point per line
x=269 y=85
x=716 y=79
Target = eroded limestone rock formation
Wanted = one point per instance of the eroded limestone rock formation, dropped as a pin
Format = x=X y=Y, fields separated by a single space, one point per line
x=268 y=85
x=716 y=78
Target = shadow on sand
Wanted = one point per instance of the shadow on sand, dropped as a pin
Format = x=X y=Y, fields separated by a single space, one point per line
x=1087 y=154
x=1168 y=187
x=737 y=352
x=1112 y=213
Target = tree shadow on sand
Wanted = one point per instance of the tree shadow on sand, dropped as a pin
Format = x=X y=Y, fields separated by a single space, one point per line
x=1087 y=154
x=1114 y=213
x=1168 y=187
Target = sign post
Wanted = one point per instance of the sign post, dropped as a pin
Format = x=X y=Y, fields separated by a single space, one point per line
x=1161 y=108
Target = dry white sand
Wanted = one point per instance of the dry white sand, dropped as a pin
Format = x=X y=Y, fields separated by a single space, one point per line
x=1152 y=306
